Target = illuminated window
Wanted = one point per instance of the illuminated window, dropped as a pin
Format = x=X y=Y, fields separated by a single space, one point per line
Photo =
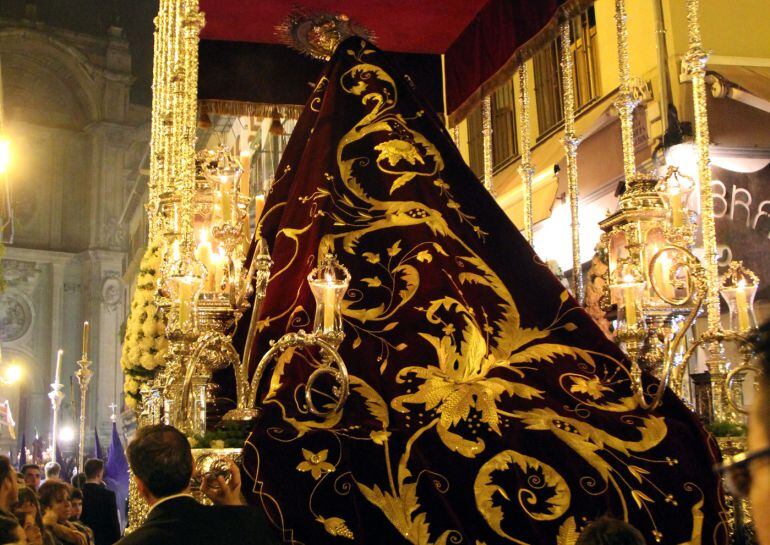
x=504 y=147
x=549 y=87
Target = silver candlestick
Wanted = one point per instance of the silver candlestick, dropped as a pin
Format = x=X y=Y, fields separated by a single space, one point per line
x=56 y=396
x=83 y=374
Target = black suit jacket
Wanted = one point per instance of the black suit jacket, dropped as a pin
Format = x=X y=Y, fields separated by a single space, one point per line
x=184 y=521
x=100 y=513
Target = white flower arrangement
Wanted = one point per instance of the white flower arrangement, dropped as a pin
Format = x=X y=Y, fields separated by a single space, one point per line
x=145 y=343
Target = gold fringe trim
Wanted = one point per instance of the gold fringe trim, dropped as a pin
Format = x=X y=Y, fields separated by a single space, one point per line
x=522 y=54
x=250 y=109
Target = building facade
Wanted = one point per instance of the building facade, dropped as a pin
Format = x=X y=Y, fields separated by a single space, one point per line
x=78 y=144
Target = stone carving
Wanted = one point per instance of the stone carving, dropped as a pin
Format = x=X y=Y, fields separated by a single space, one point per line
x=15 y=317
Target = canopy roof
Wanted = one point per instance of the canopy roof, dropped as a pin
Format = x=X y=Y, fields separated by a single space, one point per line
x=482 y=39
x=427 y=26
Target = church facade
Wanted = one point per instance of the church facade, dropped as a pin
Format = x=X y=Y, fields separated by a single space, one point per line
x=78 y=147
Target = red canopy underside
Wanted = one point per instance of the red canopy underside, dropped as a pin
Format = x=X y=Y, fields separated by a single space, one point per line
x=426 y=26
x=484 y=40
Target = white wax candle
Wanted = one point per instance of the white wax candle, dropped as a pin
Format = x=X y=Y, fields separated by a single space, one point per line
x=57 y=376
x=742 y=304
x=86 y=329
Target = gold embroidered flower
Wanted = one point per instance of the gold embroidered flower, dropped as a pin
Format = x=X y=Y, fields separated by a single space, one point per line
x=396 y=150
x=590 y=386
x=460 y=383
x=316 y=464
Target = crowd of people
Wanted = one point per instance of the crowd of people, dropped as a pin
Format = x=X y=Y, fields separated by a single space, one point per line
x=38 y=507
x=49 y=511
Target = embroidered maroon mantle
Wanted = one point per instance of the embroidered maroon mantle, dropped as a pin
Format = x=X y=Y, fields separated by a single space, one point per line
x=485 y=406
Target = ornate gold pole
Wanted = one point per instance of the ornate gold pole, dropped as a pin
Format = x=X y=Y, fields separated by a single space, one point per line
x=486 y=135
x=571 y=142
x=695 y=65
x=625 y=103
x=172 y=166
x=526 y=168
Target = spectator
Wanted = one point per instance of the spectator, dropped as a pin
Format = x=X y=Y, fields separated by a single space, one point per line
x=610 y=531
x=32 y=475
x=76 y=498
x=78 y=480
x=27 y=510
x=52 y=471
x=100 y=508
x=161 y=461
x=747 y=475
x=56 y=505
x=10 y=530
x=9 y=486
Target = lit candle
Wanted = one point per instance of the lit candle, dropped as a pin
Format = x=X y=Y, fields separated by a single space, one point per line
x=675 y=199
x=742 y=306
x=185 y=298
x=226 y=197
x=218 y=263
x=329 y=300
x=629 y=300
x=86 y=329
x=662 y=275
x=259 y=205
x=203 y=253
x=57 y=376
x=245 y=163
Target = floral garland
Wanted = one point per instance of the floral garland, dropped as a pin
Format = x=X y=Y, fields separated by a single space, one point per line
x=145 y=343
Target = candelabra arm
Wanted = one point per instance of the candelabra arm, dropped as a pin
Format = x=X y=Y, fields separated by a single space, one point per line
x=213 y=339
x=331 y=355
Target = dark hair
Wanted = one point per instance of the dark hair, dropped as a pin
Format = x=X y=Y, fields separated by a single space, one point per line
x=51 y=491
x=76 y=494
x=160 y=457
x=92 y=467
x=610 y=531
x=27 y=495
x=8 y=529
x=25 y=467
x=6 y=469
x=78 y=480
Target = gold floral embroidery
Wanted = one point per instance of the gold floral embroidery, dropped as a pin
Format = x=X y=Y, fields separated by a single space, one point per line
x=316 y=464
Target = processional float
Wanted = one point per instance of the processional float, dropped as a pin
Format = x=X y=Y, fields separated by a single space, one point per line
x=449 y=389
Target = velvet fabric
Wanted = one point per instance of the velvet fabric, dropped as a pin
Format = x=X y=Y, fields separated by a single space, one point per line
x=490 y=48
x=485 y=405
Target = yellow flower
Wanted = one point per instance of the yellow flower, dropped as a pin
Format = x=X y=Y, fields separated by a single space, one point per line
x=193 y=442
x=218 y=443
x=316 y=464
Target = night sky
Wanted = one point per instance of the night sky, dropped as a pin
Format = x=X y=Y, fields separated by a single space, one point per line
x=94 y=17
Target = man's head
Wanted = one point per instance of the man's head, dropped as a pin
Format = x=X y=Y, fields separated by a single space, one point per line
x=55 y=495
x=9 y=487
x=52 y=470
x=610 y=531
x=94 y=470
x=32 y=475
x=76 y=497
x=759 y=439
x=161 y=461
